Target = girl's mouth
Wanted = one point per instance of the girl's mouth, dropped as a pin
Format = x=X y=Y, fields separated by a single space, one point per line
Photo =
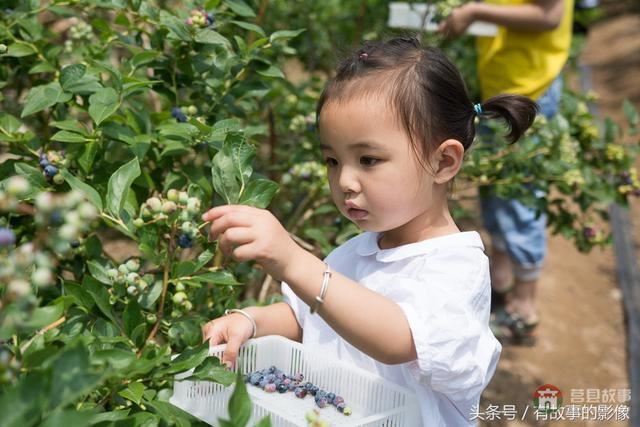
x=357 y=213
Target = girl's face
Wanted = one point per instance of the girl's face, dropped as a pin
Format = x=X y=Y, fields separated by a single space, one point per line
x=375 y=178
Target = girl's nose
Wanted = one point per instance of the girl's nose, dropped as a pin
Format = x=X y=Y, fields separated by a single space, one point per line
x=348 y=180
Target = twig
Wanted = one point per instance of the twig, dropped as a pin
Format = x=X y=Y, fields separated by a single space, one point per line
x=42 y=331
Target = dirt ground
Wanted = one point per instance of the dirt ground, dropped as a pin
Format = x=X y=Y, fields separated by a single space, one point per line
x=581 y=344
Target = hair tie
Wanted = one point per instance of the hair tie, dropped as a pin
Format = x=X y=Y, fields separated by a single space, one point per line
x=477 y=108
x=364 y=56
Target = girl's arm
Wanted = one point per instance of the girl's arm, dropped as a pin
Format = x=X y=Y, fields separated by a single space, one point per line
x=370 y=322
x=539 y=15
x=276 y=319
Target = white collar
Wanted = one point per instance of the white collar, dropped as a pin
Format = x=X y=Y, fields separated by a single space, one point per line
x=368 y=245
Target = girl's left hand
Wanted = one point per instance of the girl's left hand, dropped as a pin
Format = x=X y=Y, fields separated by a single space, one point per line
x=457 y=22
x=247 y=233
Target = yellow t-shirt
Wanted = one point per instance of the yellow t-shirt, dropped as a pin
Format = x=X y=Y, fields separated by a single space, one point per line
x=523 y=62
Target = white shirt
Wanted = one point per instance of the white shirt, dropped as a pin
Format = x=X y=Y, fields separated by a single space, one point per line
x=443 y=286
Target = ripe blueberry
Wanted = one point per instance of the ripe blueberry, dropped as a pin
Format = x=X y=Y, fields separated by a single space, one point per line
x=185 y=241
x=7 y=237
x=50 y=171
x=178 y=115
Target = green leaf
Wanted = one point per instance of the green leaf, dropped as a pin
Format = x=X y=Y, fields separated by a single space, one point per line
x=22 y=404
x=9 y=124
x=240 y=8
x=213 y=370
x=240 y=406
x=70 y=125
x=177 y=27
x=103 y=103
x=285 y=34
x=144 y=57
x=89 y=83
x=250 y=27
x=119 y=185
x=33 y=175
x=41 y=97
x=83 y=187
x=272 y=71
x=43 y=316
x=71 y=376
x=221 y=277
x=264 y=422
x=69 y=417
x=203 y=259
x=133 y=392
x=148 y=299
x=71 y=74
x=66 y=136
x=172 y=414
x=259 y=193
x=117 y=358
x=208 y=36
x=132 y=317
x=630 y=112
x=231 y=167
x=189 y=358
x=88 y=156
x=100 y=296
x=98 y=272
x=180 y=130
x=20 y=49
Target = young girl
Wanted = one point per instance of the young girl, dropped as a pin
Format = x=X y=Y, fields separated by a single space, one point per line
x=409 y=298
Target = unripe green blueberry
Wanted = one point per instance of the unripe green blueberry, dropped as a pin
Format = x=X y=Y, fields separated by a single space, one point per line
x=180 y=287
x=151 y=319
x=58 y=179
x=178 y=297
x=112 y=273
x=184 y=216
x=132 y=290
x=132 y=278
x=18 y=186
x=187 y=305
x=160 y=216
x=173 y=195
x=68 y=232
x=122 y=268
x=142 y=285
x=3 y=48
x=133 y=265
x=169 y=207
x=183 y=196
x=113 y=299
x=87 y=211
x=186 y=227
x=193 y=205
x=73 y=218
x=138 y=222
x=18 y=288
x=192 y=110
x=154 y=204
x=42 y=277
x=44 y=202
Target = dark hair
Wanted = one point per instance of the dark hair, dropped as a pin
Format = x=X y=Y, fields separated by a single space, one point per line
x=425 y=89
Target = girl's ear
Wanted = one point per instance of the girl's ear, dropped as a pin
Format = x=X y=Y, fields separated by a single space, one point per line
x=447 y=160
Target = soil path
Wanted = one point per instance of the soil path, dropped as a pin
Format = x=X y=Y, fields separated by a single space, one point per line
x=581 y=343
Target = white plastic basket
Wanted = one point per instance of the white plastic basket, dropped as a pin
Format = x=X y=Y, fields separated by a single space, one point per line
x=374 y=400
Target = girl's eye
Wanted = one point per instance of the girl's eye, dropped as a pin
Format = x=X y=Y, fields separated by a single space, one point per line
x=330 y=162
x=368 y=161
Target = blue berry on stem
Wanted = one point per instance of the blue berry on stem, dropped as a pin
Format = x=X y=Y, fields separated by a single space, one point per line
x=184 y=241
x=7 y=237
x=50 y=171
x=178 y=115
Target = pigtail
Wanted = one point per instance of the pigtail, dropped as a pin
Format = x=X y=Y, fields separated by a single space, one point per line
x=517 y=111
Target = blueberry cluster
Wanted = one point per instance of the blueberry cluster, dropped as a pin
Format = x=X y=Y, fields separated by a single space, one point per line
x=200 y=18
x=629 y=182
x=177 y=205
x=78 y=32
x=182 y=114
x=273 y=379
x=48 y=169
x=127 y=274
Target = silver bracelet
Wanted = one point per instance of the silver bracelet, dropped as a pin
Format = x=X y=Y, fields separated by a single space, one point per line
x=323 y=289
x=245 y=314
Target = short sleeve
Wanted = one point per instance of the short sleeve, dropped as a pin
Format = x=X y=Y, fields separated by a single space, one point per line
x=447 y=309
x=296 y=304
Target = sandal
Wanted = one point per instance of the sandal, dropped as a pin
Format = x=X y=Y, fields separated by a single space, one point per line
x=519 y=331
x=498 y=297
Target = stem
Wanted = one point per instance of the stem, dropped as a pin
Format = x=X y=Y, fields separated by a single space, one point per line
x=165 y=286
x=50 y=326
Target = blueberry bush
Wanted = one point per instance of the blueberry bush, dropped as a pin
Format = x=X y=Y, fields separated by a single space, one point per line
x=122 y=121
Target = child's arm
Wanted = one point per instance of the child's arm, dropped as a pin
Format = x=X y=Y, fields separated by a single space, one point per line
x=369 y=321
x=539 y=15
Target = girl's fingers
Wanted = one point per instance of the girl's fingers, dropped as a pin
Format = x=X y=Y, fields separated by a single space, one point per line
x=234 y=237
x=231 y=351
x=233 y=219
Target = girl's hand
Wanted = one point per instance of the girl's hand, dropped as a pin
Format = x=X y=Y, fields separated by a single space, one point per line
x=248 y=233
x=458 y=21
x=233 y=329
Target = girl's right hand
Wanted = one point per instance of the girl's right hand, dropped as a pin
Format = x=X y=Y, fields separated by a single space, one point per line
x=233 y=329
